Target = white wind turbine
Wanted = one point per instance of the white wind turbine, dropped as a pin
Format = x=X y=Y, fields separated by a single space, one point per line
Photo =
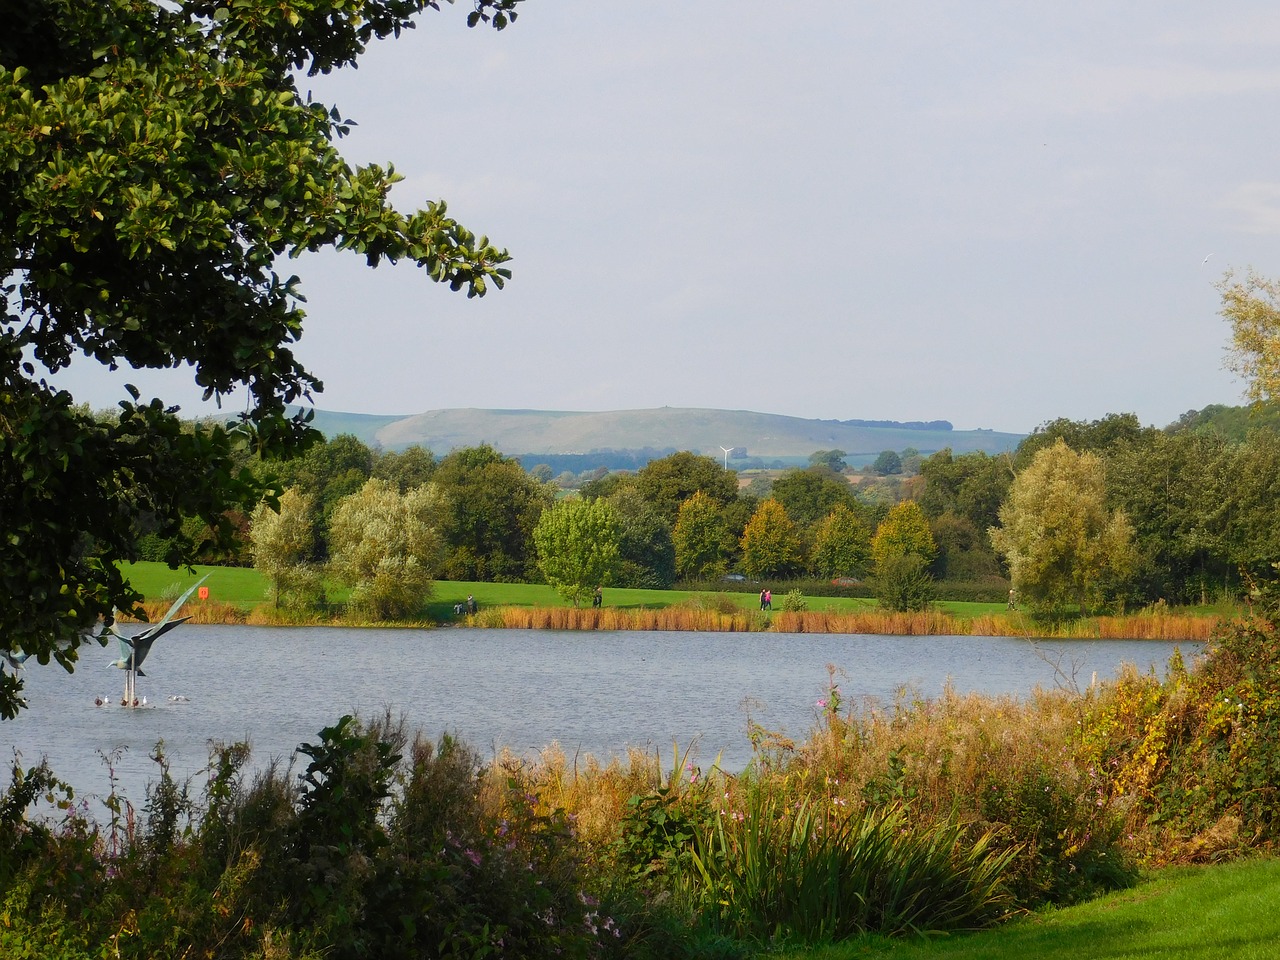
x=727 y=451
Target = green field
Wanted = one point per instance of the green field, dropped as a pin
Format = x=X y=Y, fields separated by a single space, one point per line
x=245 y=587
x=1223 y=912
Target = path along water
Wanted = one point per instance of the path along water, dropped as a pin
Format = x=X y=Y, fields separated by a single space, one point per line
x=596 y=693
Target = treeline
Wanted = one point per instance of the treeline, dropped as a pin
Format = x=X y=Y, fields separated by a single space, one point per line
x=1190 y=513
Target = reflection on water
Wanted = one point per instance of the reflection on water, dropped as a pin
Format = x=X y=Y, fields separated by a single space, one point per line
x=594 y=693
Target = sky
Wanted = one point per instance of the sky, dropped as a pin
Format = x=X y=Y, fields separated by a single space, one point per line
x=993 y=213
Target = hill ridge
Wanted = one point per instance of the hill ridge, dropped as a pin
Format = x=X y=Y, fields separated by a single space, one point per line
x=706 y=430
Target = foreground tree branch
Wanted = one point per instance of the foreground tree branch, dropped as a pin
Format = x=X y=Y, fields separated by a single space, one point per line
x=156 y=163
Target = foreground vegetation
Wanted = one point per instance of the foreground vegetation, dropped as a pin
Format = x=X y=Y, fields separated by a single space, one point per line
x=919 y=816
x=238 y=595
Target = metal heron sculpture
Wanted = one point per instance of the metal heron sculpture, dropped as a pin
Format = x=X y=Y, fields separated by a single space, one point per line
x=134 y=649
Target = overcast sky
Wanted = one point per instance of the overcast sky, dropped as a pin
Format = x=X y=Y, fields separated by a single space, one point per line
x=990 y=213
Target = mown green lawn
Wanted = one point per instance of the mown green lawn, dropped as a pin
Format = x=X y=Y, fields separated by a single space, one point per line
x=1224 y=912
x=246 y=587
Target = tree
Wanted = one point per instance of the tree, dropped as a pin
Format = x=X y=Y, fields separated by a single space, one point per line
x=1098 y=436
x=158 y=161
x=697 y=538
x=490 y=507
x=770 y=543
x=963 y=550
x=284 y=541
x=577 y=543
x=411 y=467
x=1062 y=544
x=841 y=545
x=646 y=555
x=904 y=531
x=972 y=485
x=832 y=460
x=669 y=482
x=385 y=546
x=888 y=463
x=809 y=495
x=1252 y=307
x=329 y=471
x=1181 y=492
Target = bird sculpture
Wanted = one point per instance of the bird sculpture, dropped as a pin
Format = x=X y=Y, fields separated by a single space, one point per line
x=134 y=649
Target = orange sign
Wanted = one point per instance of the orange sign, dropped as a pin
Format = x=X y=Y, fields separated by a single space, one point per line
x=203 y=593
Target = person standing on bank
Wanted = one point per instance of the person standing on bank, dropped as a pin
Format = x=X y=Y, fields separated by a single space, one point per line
x=597 y=598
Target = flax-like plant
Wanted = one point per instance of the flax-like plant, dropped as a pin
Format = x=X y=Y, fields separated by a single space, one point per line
x=799 y=871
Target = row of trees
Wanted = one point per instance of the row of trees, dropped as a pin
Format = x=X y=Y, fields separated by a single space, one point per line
x=1081 y=515
x=386 y=523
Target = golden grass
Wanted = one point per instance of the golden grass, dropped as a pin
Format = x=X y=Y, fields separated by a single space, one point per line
x=910 y=624
x=594 y=794
x=1153 y=624
x=198 y=611
x=612 y=618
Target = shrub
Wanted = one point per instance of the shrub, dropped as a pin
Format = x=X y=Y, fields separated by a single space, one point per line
x=903 y=582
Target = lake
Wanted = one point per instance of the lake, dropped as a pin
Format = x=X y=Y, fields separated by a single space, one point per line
x=594 y=693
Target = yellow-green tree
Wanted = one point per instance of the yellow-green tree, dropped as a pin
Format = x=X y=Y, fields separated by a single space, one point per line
x=1062 y=544
x=904 y=531
x=577 y=543
x=385 y=546
x=841 y=545
x=697 y=535
x=771 y=543
x=284 y=540
x=1252 y=307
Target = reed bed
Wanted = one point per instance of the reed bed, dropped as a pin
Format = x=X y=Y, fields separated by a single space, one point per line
x=613 y=618
x=1159 y=626
x=727 y=618
x=196 y=611
x=909 y=624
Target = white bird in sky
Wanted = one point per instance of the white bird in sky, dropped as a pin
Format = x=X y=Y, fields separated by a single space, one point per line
x=1206 y=259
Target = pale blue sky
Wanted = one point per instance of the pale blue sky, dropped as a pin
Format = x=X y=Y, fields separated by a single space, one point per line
x=992 y=213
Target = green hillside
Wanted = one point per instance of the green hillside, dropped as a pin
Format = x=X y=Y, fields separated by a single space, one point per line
x=706 y=431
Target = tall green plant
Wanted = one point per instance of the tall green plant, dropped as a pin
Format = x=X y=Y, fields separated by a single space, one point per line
x=797 y=870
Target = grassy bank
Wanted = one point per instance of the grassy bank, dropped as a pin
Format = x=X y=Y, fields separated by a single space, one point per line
x=240 y=595
x=1183 y=913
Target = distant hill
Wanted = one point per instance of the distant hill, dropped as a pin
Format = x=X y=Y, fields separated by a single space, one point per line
x=749 y=435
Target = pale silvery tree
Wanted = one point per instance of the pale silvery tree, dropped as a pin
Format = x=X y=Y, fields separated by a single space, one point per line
x=284 y=541
x=385 y=546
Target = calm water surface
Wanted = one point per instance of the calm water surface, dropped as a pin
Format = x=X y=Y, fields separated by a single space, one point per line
x=592 y=693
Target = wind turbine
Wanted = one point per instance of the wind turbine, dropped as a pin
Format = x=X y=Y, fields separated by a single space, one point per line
x=134 y=649
x=727 y=451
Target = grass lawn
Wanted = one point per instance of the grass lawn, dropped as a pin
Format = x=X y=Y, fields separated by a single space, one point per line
x=245 y=587
x=1224 y=912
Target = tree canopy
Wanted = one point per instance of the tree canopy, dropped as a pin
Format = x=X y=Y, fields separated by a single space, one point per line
x=1252 y=307
x=577 y=542
x=1062 y=544
x=159 y=161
